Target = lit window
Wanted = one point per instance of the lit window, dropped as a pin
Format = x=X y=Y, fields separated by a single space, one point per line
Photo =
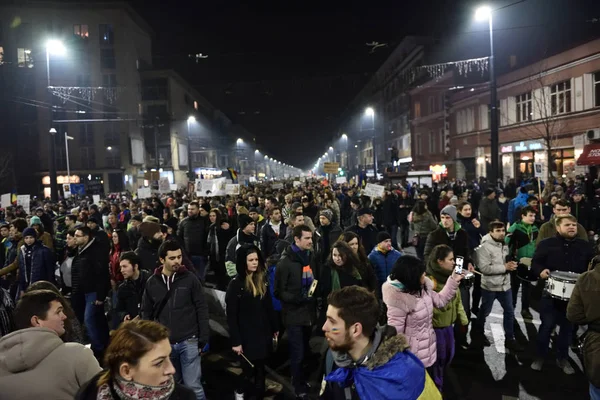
x=195 y=105
x=524 y=107
x=560 y=98
x=25 y=60
x=82 y=31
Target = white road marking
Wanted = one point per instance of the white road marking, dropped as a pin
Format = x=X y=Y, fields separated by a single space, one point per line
x=518 y=319
x=498 y=335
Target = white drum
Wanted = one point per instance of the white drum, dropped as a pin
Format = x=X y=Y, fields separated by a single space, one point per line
x=560 y=284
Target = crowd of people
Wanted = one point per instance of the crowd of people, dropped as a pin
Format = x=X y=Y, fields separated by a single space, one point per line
x=127 y=277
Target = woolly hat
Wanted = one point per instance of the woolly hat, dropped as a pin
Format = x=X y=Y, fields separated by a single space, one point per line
x=244 y=220
x=327 y=213
x=488 y=191
x=205 y=207
x=95 y=218
x=149 y=229
x=383 y=235
x=35 y=221
x=151 y=218
x=450 y=211
x=30 y=232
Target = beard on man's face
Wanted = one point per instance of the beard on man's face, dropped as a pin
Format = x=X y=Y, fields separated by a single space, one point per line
x=341 y=347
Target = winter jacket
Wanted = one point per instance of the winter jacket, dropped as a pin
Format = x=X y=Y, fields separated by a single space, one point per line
x=192 y=233
x=475 y=234
x=297 y=308
x=583 y=310
x=453 y=312
x=383 y=263
x=268 y=237
x=129 y=295
x=387 y=371
x=491 y=261
x=411 y=315
x=560 y=254
x=36 y=364
x=148 y=253
x=548 y=230
x=423 y=224
x=234 y=244
x=89 y=391
x=251 y=319
x=41 y=267
x=325 y=237
x=134 y=235
x=185 y=302
x=521 y=239
x=514 y=205
x=488 y=211
x=584 y=214
x=88 y=273
x=460 y=244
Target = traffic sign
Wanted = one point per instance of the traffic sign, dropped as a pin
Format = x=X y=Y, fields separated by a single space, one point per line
x=331 y=167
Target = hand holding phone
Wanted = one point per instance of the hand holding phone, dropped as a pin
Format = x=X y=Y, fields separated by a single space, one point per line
x=458 y=268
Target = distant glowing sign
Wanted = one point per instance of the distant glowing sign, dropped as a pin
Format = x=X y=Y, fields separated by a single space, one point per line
x=506 y=149
x=438 y=169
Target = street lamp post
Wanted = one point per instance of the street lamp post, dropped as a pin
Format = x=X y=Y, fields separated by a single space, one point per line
x=482 y=14
x=238 y=144
x=190 y=119
x=370 y=112
x=52 y=165
x=67 y=138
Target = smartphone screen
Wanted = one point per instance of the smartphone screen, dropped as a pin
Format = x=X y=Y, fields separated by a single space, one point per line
x=459 y=265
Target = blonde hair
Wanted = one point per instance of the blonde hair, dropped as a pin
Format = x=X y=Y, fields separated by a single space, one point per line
x=255 y=282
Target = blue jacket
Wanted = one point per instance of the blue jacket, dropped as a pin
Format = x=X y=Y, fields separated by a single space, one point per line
x=515 y=204
x=42 y=265
x=383 y=263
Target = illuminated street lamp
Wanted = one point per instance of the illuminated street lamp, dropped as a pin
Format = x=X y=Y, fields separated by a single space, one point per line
x=191 y=119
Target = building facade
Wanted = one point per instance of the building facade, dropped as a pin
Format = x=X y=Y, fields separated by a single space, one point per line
x=546 y=110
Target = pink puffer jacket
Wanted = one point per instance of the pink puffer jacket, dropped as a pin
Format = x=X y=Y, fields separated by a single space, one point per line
x=412 y=315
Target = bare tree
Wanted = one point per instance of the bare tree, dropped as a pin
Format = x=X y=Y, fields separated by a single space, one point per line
x=6 y=168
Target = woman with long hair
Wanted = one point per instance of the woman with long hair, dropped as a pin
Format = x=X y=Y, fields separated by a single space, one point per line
x=251 y=319
x=410 y=300
x=422 y=224
x=355 y=244
x=118 y=245
x=439 y=267
x=219 y=234
x=73 y=329
x=139 y=366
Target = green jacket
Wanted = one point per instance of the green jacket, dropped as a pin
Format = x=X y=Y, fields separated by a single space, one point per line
x=451 y=312
x=522 y=239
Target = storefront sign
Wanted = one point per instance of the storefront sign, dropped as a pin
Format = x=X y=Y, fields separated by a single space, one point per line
x=518 y=147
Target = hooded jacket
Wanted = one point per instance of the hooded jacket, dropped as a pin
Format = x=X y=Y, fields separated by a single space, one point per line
x=383 y=263
x=453 y=311
x=251 y=319
x=460 y=244
x=185 y=313
x=491 y=260
x=521 y=239
x=411 y=314
x=516 y=203
x=36 y=364
x=387 y=371
x=41 y=268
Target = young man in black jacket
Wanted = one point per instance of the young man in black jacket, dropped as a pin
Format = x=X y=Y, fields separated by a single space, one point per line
x=175 y=298
x=296 y=271
x=130 y=292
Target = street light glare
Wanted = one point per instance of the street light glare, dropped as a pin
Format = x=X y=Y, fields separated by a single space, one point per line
x=191 y=118
x=369 y=112
x=483 y=13
x=240 y=141
x=330 y=148
x=55 y=47
x=345 y=137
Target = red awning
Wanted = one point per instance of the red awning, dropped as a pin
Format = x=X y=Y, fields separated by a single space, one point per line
x=590 y=155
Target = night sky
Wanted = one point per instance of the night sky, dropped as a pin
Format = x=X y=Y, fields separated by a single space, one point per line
x=287 y=72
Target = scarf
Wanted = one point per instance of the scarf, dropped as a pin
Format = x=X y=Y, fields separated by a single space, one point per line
x=124 y=390
x=382 y=250
x=307 y=273
x=335 y=278
x=438 y=275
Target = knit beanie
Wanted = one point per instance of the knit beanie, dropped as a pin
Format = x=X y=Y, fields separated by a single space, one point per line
x=205 y=207
x=327 y=213
x=244 y=220
x=381 y=236
x=149 y=229
x=35 y=220
x=30 y=232
x=450 y=211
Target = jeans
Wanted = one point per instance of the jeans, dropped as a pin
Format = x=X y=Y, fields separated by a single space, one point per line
x=298 y=337
x=594 y=392
x=185 y=357
x=95 y=323
x=505 y=299
x=515 y=282
x=554 y=312
x=200 y=265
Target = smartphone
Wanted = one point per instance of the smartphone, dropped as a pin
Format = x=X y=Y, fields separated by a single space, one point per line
x=458 y=269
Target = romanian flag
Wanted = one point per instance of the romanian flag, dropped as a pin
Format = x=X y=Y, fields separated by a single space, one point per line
x=232 y=174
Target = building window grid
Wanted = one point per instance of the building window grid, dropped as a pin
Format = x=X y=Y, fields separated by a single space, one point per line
x=24 y=58
x=88 y=157
x=417 y=109
x=524 y=107
x=107 y=34
x=431 y=142
x=560 y=98
x=596 y=84
x=81 y=31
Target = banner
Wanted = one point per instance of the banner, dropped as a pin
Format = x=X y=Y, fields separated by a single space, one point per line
x=297 y=184
x=5 y=200
x=211 y=187
x=277 y=186
x=373 y=190
x=23 y=200
x=232 y=189
x=96 y=199
x=144 y=193
x=340 y=180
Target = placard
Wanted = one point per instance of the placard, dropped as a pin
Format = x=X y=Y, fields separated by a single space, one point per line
x=23 y=200
x=297 y=184
x=538 y=169
x=232 y=189
x=340 y=180
x=5 y=200
x=144 y=193
x=96 y=199
x=372 y=190
x=164 y=186
x=331 y=167
x=66 y=190
x=173 y=187
x=277 y=186
x=211 y=187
